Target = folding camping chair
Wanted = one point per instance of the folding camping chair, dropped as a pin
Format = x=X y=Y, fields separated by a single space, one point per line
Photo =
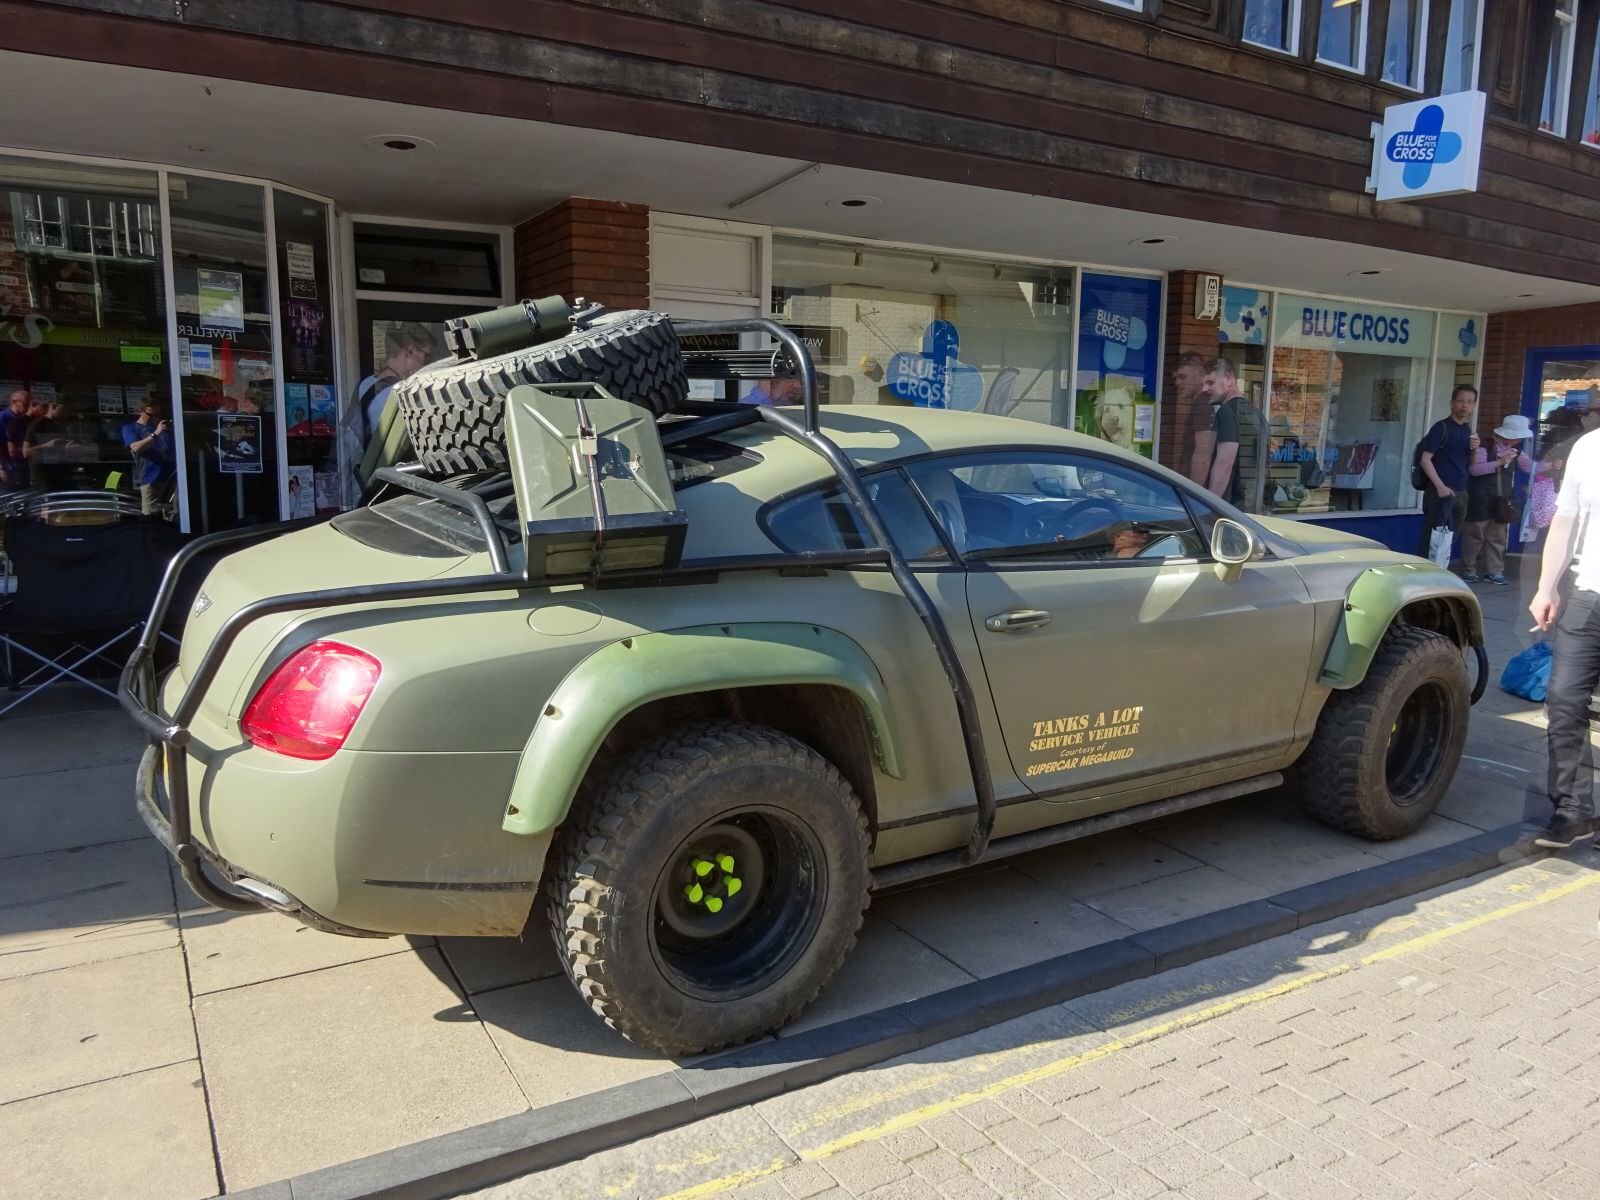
x=84 y=587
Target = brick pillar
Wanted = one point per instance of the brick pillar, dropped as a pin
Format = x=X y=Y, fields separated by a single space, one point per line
x=597 y=249
x=1186 y=334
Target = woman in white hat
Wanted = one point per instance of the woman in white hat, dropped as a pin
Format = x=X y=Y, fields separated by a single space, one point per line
x=1491 y=500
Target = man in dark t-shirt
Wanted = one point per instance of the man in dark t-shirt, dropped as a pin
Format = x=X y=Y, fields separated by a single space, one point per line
x=1447 y=451
x=1237 y=456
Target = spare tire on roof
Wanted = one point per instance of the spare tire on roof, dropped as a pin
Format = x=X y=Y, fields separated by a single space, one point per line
x=454 y=411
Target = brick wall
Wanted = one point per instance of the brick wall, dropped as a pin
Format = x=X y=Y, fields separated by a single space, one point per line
x=597 y=249
x=1185 y=334
x=1512 y=335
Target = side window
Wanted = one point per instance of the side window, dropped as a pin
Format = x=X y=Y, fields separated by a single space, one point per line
x=825 y=521
x=1060 y=507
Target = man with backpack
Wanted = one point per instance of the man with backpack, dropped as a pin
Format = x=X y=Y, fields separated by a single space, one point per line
x=1444 y=457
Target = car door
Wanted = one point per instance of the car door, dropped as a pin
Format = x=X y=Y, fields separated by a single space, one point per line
x=1114 y=647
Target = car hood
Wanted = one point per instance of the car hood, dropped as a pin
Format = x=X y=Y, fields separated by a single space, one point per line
x=1317 y=539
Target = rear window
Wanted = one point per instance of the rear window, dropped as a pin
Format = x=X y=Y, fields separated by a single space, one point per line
x=700 y=459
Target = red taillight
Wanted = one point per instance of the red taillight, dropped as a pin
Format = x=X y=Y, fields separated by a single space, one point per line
x=308 y=705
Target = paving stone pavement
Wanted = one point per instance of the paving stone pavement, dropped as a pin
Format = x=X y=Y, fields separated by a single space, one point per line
x=1442 y=1048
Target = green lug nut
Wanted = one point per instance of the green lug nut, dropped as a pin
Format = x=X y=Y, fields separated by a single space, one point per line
x=695 y=893
x=733 y=886
x=702 y=868
x=725 y=861
x=714 y=904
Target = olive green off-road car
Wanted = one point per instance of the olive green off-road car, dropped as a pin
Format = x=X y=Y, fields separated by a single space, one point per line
x=685 y=681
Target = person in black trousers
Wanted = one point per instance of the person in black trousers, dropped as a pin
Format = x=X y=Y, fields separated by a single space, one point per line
x=1447 y=450
x=1575 y=666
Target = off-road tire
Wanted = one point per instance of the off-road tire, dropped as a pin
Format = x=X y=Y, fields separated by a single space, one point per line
x=619 y=844
x=454 y=411
x=1344 y=776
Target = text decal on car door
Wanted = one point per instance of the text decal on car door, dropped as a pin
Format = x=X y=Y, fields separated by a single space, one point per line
x=1084 y=739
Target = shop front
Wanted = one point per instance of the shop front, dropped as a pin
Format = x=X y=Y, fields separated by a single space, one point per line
x=1342 y=391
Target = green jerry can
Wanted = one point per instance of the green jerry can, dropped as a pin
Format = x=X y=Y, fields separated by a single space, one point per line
x=594 y=493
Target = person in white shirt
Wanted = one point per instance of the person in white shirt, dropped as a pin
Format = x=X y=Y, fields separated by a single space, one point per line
x=1575 y=666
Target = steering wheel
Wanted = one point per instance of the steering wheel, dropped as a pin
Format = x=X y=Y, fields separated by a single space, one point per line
x=1082 y=519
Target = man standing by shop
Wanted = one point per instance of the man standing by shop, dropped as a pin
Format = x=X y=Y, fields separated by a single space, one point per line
x=14 y=423
x=1447 y=451
x=149 y=440
x=1575 y=667
x=1237 y=431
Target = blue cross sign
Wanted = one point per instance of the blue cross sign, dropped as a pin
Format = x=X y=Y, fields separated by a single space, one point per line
x=1428 y=147
x=1424 y=144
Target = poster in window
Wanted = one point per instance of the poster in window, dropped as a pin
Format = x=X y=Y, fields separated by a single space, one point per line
x=302 y=493
x=323 y=410
x=238 y=444
x=1354 y=466
x=220 y=297
x=1119 y=325
x=307 y=339
x=301 y=263
x=297 y=409
x=109 y=396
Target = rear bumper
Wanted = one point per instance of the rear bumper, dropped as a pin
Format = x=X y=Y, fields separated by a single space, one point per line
x=248 y=892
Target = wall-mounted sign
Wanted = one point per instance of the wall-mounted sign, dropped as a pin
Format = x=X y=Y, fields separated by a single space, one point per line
x=1245 y=313
x=1207 y=297
x=1307 y=322
x=1460 y=337
x=1428 y=147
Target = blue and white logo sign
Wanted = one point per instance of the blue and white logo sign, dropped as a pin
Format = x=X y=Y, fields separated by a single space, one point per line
x=1428 y=148
x=935 y=378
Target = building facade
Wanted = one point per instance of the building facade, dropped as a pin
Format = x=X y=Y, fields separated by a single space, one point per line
x=257 y=214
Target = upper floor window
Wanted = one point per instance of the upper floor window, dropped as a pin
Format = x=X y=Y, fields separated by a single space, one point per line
x=1591 y=114
x=1558 y=73
x=1403 y=43
x=1462 y=37
x=1274 y=24
x=1342 y=34
x=1134 y=5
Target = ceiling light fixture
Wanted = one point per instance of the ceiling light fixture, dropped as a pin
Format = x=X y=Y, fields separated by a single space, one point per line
x=398 y=143
x=1368 y=272
x=854 y=202
x=1155 y=239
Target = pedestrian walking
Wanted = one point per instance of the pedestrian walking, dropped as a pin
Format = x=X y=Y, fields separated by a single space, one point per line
x=1445 y=455
x=1575 y=666
x=1491 y=500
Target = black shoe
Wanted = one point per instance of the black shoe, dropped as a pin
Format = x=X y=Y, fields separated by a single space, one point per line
x=1564 y=832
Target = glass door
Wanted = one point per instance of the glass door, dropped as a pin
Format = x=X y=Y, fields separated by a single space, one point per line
x=1561 y=397
x=227 y=368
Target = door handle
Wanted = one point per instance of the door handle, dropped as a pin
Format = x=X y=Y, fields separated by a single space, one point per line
x=1017 y=620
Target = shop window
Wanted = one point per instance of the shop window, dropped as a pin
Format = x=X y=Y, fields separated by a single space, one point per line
x=1404 y=41
x=1342 y=34
x=1463 y=34
x=1558 y=70
x=83 y=328
x=306 y=311
x=1591 y=112
x=1131 y=5
x=427 y=261
x=1055 y=508
x=228 y=418
x=1349 y=400
x=928 y=329
x=1273 y=24
x=1119 y=331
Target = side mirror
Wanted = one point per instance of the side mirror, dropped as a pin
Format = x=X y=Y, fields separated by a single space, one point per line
x=1232 y=544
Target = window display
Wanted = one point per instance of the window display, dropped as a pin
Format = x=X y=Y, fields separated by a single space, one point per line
x=1349 y=400
x=928 y=329
x=306 y=303
x=1119 y=328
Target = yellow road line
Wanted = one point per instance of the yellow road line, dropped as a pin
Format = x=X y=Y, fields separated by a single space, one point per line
x=1048 y=1070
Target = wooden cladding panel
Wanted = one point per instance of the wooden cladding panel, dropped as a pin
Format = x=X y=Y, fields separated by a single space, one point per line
x=1040 y=95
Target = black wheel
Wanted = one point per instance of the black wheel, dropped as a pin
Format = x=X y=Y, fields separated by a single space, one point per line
x=453 y=411
x=1384 y=752
x=705 y=890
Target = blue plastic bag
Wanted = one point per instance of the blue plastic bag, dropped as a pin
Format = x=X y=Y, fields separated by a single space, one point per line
x=1528 y=673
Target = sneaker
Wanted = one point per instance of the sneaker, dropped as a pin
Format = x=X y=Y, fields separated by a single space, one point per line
x=1469 y=577
x=1497 y=580
x=1564 y=832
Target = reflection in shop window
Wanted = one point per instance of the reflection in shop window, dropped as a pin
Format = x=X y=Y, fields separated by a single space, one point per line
x=1342 y=34
x=928 y=329
x=82 y=321
x=1402 y=48
x=1349 y=400
x=1273 y=24
x=1558 y=71
x=1242 y=339
x=1591 y=112
x=1462 y=36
